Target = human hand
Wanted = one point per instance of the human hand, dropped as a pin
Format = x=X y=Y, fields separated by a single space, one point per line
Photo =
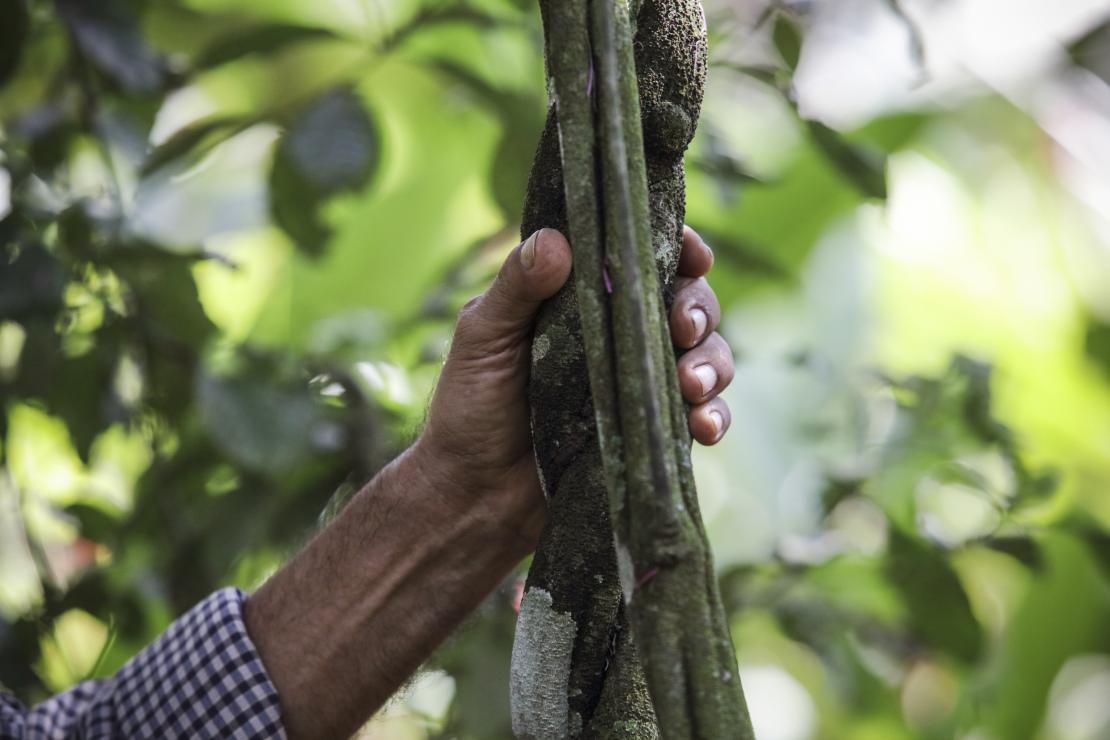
x=478 y=434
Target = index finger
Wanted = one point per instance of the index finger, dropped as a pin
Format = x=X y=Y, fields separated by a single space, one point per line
x=696 y=257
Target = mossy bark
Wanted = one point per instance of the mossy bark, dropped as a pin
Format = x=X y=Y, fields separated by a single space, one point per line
x=622 y=114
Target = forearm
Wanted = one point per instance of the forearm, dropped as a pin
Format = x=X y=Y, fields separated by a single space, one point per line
x=345 y=623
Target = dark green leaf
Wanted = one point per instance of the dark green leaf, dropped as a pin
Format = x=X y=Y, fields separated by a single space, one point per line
x=938 y=607
x=259 y=40
x=1097 y=344
x=108 y=36
x=19 y=651
x=266 y=428
x=728 y=172
x=770 y=76
x=788 y=40
x=895 y=131
x=1023 y=549
x=165 y=296
x=81 y=393
x=195 y=139
x=332 y=147
x=864 y=169
x=75 y=388
x=31 y=282
x=1095 y=538
x=837 y=490
x=94 y=522
x=1093 y=51
x=49 y=131
x=14 y=24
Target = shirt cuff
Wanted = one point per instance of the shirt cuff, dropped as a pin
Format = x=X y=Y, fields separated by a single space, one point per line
x=203 y=678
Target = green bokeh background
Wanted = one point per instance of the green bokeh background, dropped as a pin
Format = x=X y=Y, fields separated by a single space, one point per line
x=235 y=234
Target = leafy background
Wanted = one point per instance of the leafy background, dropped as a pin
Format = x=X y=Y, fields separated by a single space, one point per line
x=235 y=234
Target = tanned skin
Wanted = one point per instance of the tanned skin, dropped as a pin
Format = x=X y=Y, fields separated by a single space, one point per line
x=345 y=623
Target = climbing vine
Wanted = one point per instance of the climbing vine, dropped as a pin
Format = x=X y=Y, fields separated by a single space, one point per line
x=621 y=609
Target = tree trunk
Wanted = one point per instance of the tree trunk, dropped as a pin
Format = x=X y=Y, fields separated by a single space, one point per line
x=635 y=644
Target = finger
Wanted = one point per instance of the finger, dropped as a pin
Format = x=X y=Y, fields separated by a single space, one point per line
x=695 y=312
x=706 y=370
x=695 y=258
x=533 y=272
x=709 y=421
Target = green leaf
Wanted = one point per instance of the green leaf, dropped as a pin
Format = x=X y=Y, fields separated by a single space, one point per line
x=109 y=37
x=895 y=131
x=788 y=40
x=31 y=282
x=864 y=169
x=49 y=131
x=770 y=76
x=332 y=147
x=266 y=428
x=165 y=296
x=258 y=40
x=1093 y=51
x=196 y=139
x=1064 y=614
x=938 y=607
x=94 y=522
x=1097 y=344
x=80 y=391
x=522 y=120
x=1023 y=549
x=14 y=24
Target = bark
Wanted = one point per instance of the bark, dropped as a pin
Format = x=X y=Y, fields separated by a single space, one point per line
x=613 y=452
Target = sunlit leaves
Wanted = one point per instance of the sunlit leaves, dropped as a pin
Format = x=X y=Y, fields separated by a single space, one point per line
x=332 y=147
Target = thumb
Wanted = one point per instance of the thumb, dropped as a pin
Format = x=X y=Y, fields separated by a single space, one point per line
x=532 y=273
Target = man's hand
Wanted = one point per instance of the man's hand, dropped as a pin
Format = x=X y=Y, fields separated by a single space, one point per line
x=478 y=432
x=342 y=625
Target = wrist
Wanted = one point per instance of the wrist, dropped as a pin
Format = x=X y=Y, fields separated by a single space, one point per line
x=503 y=507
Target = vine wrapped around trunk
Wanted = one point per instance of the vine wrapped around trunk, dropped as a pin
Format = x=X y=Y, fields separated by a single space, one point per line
x=621 y=631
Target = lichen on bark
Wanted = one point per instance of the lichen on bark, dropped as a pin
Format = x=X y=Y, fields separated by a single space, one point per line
x=611 y=156
x=542 y=654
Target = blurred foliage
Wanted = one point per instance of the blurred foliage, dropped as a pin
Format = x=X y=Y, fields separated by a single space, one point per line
x=235 y=234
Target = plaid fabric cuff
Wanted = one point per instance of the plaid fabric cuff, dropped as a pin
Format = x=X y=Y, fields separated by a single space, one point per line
x=201 y=679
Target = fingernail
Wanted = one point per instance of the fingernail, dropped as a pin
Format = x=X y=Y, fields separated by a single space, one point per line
x=717 y=420
x=707 y=376
x=699 y=320
x=528 y=252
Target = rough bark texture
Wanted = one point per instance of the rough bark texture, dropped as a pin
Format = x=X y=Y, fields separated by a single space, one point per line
x=621 y=155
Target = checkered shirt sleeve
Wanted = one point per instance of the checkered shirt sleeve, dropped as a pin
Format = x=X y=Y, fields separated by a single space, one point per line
x=201 y=679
